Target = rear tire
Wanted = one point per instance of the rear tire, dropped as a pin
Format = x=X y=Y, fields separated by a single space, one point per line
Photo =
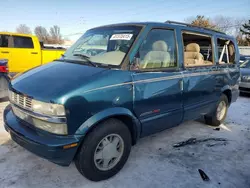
x=219 y=114
x=104 y=151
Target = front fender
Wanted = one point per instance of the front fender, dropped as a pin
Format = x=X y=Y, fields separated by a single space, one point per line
x=107 y=113
x=226 y=87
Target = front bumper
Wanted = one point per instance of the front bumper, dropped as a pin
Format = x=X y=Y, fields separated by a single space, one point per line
x=245 y=87
x=45 y=145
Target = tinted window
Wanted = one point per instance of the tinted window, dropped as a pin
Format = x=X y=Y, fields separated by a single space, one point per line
x=4 y=41
x=23 y=42
x=158 y=50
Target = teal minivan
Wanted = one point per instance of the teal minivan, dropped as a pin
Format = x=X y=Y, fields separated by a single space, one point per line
x=119 y=83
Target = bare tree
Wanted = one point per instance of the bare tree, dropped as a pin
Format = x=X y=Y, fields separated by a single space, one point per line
x=22 y=28
x=238 y=24
x=224 y=24
x=189 y=20
x=229 y=25
x=42 y=34
x=55 y=35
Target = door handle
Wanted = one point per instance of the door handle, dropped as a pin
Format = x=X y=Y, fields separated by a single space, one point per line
x=34 y=52
x=181 y=85
x=5 y=52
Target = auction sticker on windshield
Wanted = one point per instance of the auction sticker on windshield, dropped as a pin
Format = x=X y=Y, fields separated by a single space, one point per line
x=121 y=36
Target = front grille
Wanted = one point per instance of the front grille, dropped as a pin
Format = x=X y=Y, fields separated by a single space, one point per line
x=245 y=79
x=243 y=89
x=20 y=100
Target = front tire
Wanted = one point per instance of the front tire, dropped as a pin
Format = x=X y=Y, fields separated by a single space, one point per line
x=104 y=151
x=219 y=114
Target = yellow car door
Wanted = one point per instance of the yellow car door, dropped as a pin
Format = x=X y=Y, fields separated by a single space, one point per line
x=25 y=53
x=5 y=52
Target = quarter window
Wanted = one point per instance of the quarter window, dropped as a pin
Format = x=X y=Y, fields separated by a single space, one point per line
x=225 y=51
x=23 y=42
x=4 y=41
x=158 y=50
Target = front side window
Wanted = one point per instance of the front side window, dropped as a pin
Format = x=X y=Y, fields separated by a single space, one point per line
x=104 y=45
x=23 y=42
x=4 y=41
x=225 y=51
x=158 y=50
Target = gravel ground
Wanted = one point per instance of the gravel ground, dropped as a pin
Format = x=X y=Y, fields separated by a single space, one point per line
x=153 y=162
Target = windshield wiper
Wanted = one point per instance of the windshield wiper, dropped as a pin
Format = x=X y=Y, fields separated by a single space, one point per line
x=86 y=58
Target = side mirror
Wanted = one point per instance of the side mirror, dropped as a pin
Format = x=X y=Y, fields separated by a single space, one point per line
x=136 y=60
x=135 y=64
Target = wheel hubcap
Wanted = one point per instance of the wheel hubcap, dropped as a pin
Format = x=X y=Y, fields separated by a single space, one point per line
x=221 y=110
x=108 y=152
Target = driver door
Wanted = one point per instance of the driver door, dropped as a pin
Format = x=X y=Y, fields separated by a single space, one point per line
x=158 y=85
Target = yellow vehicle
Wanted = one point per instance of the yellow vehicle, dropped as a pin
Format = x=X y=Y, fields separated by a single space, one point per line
x=21 y=52
x=24 y=52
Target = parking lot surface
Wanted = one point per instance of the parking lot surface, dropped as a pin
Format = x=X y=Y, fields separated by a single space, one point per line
x=223 y=155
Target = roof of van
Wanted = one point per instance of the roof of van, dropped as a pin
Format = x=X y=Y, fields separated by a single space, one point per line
x=16 y=34
x=183 y=26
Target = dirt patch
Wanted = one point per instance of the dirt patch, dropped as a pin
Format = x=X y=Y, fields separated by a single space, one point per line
x=192 y=141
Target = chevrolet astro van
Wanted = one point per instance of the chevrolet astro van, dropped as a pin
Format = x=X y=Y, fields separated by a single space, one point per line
x=119 y=83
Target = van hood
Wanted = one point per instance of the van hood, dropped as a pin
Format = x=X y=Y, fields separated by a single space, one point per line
x=245 y=71
x=49 y=81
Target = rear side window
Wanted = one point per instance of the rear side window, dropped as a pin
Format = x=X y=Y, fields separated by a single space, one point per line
x=23 y=42
x=4 y=41
x=198 y=49
x=225 y=51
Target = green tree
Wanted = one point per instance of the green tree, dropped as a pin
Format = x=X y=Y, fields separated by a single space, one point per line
x=245 y=30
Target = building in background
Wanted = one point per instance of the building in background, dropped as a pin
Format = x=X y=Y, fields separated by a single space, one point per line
x=244 y=50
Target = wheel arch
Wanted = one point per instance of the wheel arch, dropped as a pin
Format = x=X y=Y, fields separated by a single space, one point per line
x=122 y=114
x=228 y=92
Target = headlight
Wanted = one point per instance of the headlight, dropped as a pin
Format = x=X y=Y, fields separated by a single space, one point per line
x=48 y=108
x=50 y=127
x=56 y=128
x=245 y=78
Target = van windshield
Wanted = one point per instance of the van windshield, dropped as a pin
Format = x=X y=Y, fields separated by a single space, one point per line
x=104 y=45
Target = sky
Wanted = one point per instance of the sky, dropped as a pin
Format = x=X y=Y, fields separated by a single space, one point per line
x=76 y=16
